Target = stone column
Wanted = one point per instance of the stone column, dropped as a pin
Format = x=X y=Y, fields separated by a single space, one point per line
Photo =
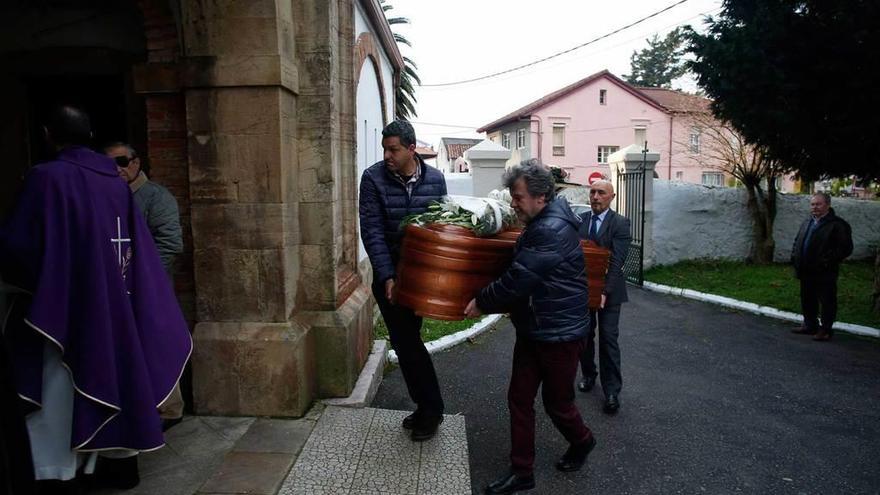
x=487 y=160
x=635 y=158
x=331 y=300
x=282 y=316
x=241 y=84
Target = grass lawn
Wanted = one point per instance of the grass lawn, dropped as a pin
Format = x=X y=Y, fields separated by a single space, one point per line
x=431 y=329
x=773 y=285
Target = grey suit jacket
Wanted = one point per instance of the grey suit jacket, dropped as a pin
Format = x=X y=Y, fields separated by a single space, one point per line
x=614 y=235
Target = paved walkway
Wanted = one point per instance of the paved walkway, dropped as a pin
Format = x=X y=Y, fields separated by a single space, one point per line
x=365 y=451
x=333 y=450
x=212 y=455
x=714 y=401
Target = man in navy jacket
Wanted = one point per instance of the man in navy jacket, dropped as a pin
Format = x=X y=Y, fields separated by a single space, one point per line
x=545 y=292
x=400 y=185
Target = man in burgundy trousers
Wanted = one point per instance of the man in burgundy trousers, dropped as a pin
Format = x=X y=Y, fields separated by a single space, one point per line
x=545 y=292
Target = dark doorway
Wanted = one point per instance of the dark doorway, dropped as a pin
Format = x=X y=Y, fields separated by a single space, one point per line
x=116 y=114
x=102 y=97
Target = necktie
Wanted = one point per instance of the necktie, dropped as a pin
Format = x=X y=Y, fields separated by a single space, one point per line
x=594 y=228
x=809 y=235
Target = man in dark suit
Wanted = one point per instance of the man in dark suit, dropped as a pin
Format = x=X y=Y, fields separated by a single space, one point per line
x=609 y=230
x=822 y=243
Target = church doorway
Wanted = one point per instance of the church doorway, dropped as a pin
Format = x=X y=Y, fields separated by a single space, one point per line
x=58 y=51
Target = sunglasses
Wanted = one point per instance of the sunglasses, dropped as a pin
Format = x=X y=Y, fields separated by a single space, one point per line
x=123 y=161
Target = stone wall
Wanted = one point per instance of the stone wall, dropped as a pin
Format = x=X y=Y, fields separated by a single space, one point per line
x=693 y=221
x=157 y=82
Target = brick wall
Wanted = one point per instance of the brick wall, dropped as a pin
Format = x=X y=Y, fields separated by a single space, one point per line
x=166 y=151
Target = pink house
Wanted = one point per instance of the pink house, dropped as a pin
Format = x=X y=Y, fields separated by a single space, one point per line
x=579 y=126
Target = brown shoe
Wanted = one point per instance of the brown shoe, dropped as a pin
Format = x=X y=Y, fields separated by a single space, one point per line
x=823 y=336
x=804 y=331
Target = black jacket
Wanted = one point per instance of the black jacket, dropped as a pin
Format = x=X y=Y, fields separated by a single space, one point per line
x=829 y=245
x=382 y=205
x=545 y=288
x=614 y=235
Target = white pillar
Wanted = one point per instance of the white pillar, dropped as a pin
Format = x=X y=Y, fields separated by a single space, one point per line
x=487 y=161
x=635 y=158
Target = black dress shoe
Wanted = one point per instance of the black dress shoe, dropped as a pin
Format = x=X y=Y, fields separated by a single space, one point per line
x=58 y=487
x=574 y=458
x=425 y=427
x=587 y=384
x=612 y=404
x=511 y=483
x=410 y=420
x=119 y=474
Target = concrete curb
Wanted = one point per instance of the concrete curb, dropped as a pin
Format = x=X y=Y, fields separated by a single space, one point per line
x=755 y=308
x=453 y=340
x=368 y=382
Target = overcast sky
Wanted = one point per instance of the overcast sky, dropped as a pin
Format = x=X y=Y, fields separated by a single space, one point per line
x=454 y=40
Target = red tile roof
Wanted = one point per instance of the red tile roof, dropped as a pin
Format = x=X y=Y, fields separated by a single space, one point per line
x=531 y=107
x=677 y=101
x=425 y=152
x=455 y=147
x=667 y=100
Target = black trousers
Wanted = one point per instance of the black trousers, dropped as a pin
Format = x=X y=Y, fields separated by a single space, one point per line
x=819 y=291
x=605 y=323
x=404 y=330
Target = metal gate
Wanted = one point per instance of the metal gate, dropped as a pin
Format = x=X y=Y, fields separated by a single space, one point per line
x=630 y=202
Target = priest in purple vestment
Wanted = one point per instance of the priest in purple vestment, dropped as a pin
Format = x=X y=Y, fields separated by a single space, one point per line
x=99 y=342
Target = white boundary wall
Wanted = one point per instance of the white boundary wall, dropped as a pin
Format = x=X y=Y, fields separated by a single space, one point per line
x=693 y=221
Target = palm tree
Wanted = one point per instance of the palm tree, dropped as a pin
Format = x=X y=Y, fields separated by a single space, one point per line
x=405 y=95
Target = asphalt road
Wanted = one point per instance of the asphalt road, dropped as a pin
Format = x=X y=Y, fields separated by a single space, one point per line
x=714 y=401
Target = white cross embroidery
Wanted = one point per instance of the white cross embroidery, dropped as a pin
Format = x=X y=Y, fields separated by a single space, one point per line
x=119 y=240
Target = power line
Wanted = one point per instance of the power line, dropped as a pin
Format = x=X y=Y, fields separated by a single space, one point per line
x=558 y=54
x=444 y=125
x=594 y=52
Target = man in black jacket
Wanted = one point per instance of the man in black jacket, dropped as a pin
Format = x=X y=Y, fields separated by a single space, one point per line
x=822 y=243
x=606 y=228
x=545 y=292
x=400 y=185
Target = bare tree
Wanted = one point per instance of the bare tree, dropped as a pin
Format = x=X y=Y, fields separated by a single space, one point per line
x=723 y=148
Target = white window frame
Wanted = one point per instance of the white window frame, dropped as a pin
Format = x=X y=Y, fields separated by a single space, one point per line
x=694 y=143
x=679 y=175
x=559 y=149
x=505 y=140
x=603 y=152
x=520 y=139
x=603 y=96
x=711 y=178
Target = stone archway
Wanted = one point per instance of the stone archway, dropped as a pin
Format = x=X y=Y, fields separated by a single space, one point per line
x=371 y=117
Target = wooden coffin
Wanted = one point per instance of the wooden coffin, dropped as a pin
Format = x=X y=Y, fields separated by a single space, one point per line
x=442 y=267
x=596 y=259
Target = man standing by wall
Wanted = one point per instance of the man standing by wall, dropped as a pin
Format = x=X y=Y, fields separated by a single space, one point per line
x=609 y=230
x=163 y=219
x=401 y=185
x=545 y=291
x=156 y=202
x=822 y=243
